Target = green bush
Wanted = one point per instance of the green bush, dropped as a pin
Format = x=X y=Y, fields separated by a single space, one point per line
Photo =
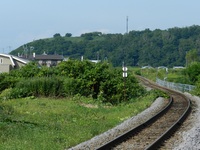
x=196 y=91
x=101 y=81
x=116 y=89
x=7 y=81
x=68 y=87
x=193 y=71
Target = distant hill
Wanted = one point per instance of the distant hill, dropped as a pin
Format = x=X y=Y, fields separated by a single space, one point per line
x=137 y=48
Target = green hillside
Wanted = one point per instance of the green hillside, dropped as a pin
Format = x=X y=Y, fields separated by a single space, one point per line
x=137 y=48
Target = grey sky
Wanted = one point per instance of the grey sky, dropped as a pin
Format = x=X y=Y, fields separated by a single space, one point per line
x=23 y=21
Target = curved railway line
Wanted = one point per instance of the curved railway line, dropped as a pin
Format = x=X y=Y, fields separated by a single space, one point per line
x=152 y=133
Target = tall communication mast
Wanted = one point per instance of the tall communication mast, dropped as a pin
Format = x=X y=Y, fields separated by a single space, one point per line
x=127 y=24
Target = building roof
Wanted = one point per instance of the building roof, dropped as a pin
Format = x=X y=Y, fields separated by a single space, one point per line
x=12 y=58
x=48 y=57
x=25 y=61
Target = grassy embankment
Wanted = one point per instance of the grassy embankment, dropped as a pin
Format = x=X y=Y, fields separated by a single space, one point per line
x=43 y=123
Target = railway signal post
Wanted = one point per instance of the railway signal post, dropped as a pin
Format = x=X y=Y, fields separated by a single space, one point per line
x=124 y=75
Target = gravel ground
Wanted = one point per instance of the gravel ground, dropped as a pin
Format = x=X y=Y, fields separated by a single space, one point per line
x=190 y=137
x=97 y=141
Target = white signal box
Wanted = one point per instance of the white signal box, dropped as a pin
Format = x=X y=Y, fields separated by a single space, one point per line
x=124 y=68
x=125 y=74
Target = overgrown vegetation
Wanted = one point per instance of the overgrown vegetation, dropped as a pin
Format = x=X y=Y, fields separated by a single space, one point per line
x=193 y=73
x=48 y=108
x=69 y=78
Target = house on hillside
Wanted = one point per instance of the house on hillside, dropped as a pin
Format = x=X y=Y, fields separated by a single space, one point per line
x=47 y=60
x=9 y=62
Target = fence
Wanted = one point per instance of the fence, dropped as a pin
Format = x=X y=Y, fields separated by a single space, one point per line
x=175 y=86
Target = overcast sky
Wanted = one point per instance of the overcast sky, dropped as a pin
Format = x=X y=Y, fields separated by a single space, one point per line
x=22 y=21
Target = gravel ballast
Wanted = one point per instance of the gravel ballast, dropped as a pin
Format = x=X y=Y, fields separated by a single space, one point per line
x=101 y=139
x=187 y=138
x=191 y=137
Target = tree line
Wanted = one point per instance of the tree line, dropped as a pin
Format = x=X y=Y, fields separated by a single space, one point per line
x=136 y=48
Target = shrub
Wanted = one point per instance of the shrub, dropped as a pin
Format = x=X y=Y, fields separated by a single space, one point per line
x=116 y=89
x=193 y=71
x=69 y=87
x=7 y=81
x=100 y=80
x=30 y=70
x=196 y=91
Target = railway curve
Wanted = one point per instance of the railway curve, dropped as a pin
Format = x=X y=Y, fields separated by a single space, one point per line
x=152 y=133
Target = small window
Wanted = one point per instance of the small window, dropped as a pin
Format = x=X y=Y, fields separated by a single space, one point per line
x=1 y=60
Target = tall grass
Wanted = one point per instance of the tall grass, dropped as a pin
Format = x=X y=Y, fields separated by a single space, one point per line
x=43 y=86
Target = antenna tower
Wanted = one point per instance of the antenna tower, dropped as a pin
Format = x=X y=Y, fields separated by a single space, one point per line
x=127 y=24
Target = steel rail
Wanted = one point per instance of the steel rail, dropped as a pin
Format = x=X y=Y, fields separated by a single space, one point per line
x=135 y=130
x=172 y=129
x=165 y=135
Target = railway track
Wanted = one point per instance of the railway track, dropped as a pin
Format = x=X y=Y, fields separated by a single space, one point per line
x=152 y=133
